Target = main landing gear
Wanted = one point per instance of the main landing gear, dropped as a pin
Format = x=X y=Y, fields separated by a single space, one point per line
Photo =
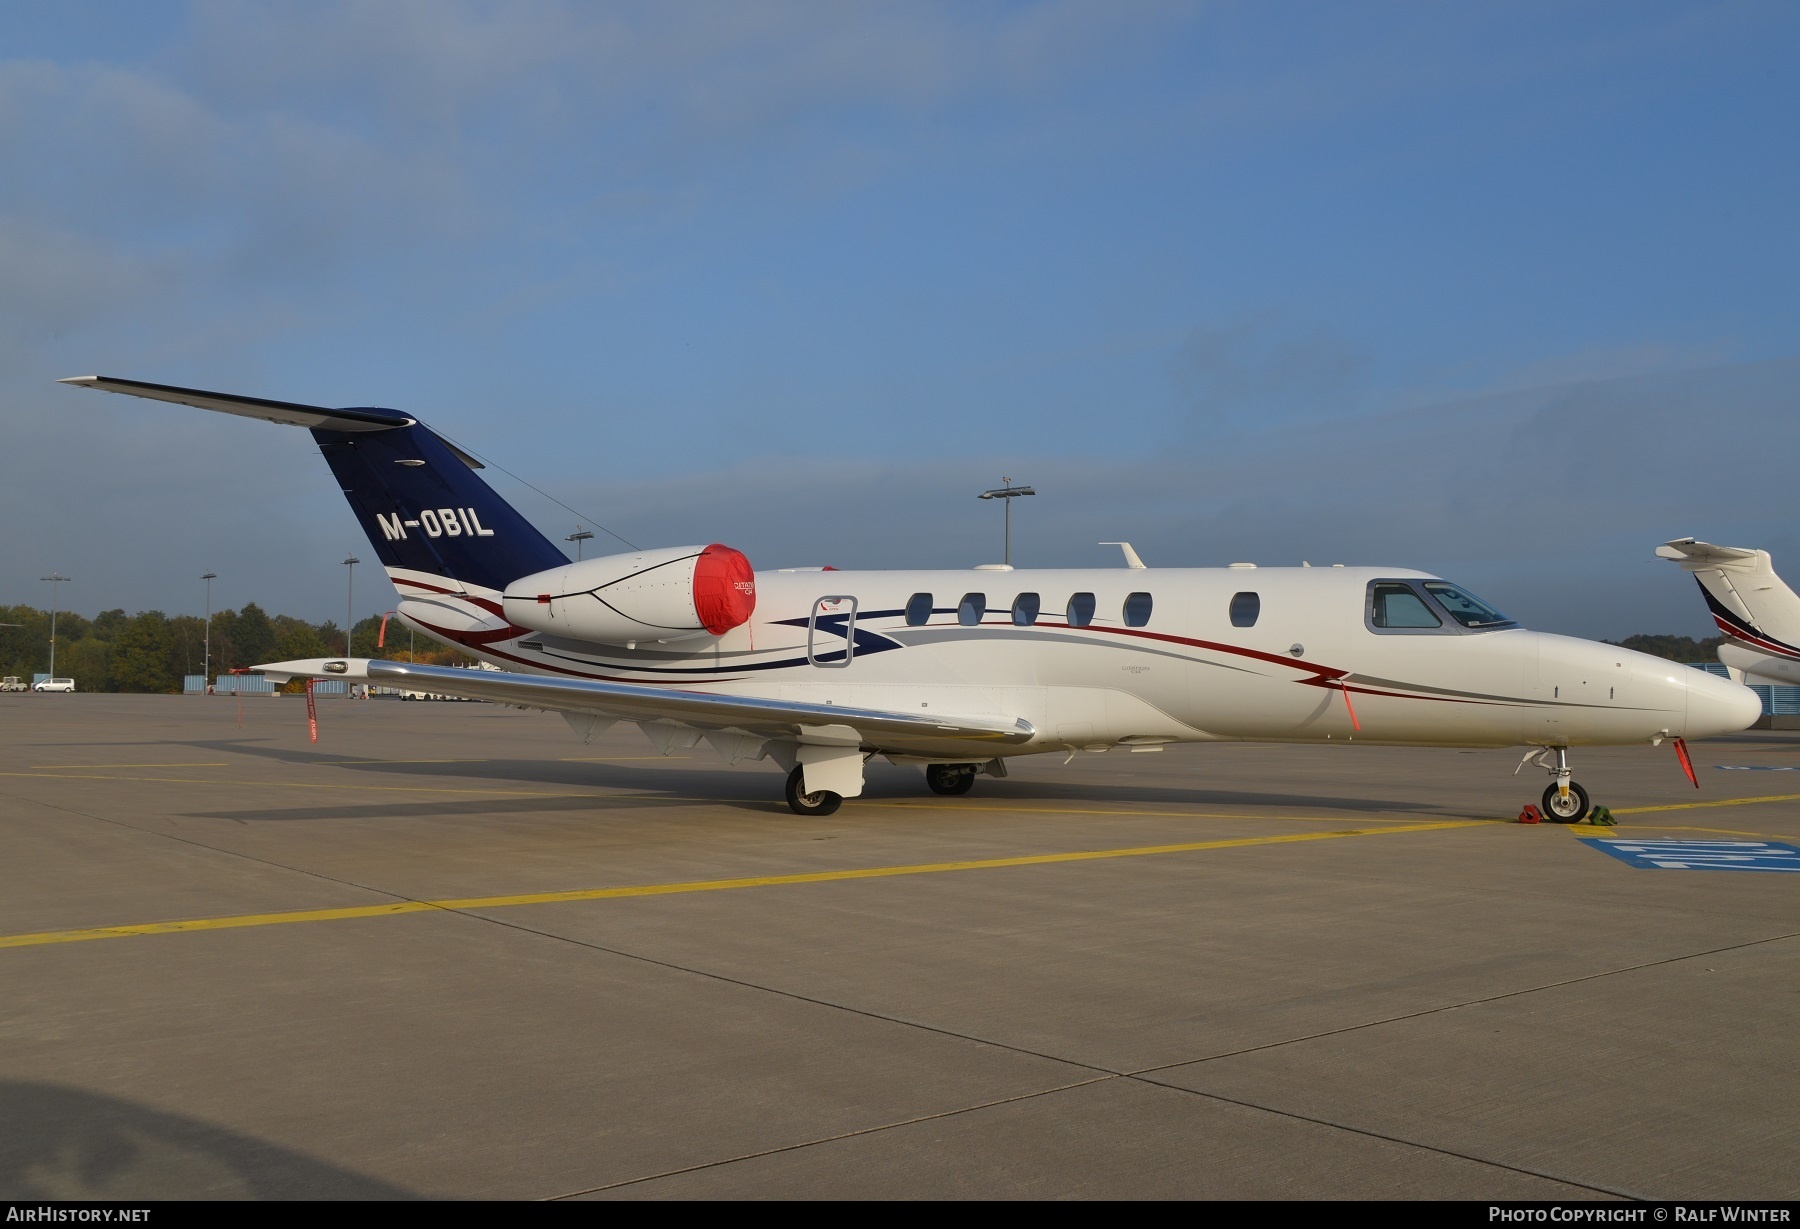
x=819 y=802
x=1564 y=802
x=950 y=778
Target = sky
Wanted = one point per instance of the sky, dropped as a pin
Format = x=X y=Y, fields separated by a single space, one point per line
x=1502 y=291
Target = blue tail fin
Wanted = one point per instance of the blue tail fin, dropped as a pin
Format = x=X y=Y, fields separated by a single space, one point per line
x=425 y=509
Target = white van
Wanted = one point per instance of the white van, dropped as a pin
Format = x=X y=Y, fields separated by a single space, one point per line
x=54 y=685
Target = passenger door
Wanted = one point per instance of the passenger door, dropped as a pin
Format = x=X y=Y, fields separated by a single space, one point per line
x=831 y=618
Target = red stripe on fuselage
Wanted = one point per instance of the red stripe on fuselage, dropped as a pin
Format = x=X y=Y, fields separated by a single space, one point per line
x=468 y=639
x=1774 y=647
x=487 y=604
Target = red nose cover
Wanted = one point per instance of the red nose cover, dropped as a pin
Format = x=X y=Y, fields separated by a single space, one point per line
x=724 y=589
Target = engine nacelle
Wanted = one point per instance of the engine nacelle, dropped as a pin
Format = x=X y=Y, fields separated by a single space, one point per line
x=671 y=594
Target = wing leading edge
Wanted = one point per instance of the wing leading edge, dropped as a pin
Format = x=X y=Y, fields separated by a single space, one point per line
x=783 y=720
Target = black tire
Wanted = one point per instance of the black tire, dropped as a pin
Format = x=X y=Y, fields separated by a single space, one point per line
x=950 y=778
x=819 y=802
x=1572 y=812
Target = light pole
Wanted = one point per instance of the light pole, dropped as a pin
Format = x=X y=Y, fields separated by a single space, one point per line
x=55 y=579
x=206 y=653
x=578 y=537
x=350 y=562
x=1006 y=494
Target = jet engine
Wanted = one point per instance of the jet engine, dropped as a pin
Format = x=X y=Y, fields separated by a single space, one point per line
x=672 y=594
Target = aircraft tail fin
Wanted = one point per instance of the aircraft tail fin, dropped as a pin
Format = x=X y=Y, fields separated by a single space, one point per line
x=1749 y=602
x=424 y=509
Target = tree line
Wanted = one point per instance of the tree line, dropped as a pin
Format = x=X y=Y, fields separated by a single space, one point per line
x=1675 y=648
x=151 y=651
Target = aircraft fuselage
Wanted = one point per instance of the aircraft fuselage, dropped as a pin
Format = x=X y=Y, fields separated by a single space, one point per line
x=1303 y=661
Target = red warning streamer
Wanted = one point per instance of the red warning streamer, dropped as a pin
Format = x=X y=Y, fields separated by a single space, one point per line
x=1354 y=723
x=312 y=713
x=1687 y=765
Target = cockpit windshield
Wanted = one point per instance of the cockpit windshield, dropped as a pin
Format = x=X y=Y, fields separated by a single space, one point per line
x=1466 y=608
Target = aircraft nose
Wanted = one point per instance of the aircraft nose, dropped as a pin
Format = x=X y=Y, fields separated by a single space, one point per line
x=1719 y=706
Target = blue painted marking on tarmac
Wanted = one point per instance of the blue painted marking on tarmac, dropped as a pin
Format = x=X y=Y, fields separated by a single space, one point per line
x=1753 y=768
x=1700 y=855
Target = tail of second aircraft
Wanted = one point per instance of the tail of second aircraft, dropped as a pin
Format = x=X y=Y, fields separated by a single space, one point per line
x=1750 y=603
x=432 y=522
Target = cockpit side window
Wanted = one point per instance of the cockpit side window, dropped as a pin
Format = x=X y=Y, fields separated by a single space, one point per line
x=1466 y=608
x=1394 y=606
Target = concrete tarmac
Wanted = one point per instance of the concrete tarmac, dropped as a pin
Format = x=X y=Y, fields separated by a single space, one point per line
x=450 y=952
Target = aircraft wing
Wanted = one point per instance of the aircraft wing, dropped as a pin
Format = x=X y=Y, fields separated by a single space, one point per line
x=784 y=720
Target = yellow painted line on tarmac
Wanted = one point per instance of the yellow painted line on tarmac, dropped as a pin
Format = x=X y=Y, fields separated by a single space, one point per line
x=1586 y=829
x=195 y=764
x=396 y=908
x=355 y=786
x=1028 y=808
x=321 y=763
x=1703 y=806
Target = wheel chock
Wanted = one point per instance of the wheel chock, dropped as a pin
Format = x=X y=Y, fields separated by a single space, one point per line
x=1600 y=817
x=1530 y=815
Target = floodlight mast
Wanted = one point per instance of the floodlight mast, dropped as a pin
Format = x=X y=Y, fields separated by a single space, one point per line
x=55 y=579
x=578 y=537
x=1006 y=494
x=350 y=562
x=206 y=654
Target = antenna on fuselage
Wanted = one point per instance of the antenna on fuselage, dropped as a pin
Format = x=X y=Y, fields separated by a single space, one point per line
x=1131 y=556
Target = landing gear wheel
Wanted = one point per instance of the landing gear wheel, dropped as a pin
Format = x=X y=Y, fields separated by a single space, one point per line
x=819 y=802
x=1570 y=810
x=949 y=778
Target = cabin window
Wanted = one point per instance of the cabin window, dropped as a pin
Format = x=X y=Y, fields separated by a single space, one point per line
x=918 y=610
x=1025 y=610
x=1397 y=606
x=971 y=608
x=1137 y=609
x=1081 y=610
x=1245 y=607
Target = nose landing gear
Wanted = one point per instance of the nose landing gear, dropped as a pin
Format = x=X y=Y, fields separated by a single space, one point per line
x=1568 y=806
x=1564 y=802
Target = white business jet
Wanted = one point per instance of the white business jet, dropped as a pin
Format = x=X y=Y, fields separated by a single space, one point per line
x=957 y=671
x=1758 y=613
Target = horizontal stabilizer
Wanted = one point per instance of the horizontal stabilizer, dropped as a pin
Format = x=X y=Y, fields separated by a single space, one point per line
x=1695 y=554
x=285 y=412
x=356 y=669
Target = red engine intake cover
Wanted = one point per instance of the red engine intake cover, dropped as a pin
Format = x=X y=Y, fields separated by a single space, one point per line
x=724 y=589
